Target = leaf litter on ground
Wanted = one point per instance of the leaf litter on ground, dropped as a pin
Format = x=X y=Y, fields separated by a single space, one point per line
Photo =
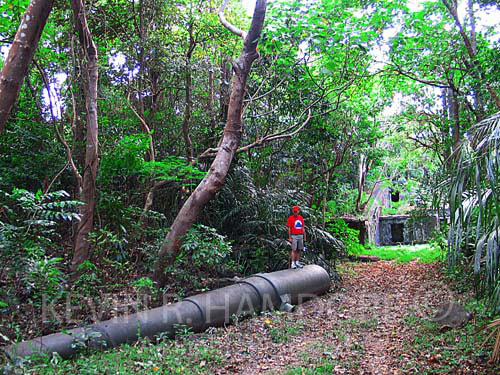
x=376 y=322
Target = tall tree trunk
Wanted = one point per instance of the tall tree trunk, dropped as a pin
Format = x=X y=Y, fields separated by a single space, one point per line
x=233 y=130
x=472 y=22
x=311 y=188
x=211 y=106
x=76 y=156
x=474 y=63
x=141 y=112
x=325 y=195
x=187 y=108
x=445 y=131
x=362 y=172
x=36 y=99
x=21 y=54
x=478 y=105
x=225 y=71
x=82 y=245
x=454 y=118
x=150 y=154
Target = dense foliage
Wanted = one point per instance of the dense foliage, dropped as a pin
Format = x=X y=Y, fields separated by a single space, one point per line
x=346 y=98
x=474 y=206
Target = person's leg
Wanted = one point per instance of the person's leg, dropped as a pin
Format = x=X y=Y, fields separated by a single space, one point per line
x=293 y=253
x=298 y=252
x=297 y=259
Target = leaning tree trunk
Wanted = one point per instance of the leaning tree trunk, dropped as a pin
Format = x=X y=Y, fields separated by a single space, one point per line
x=233 y=130
x=20 y=55
x=82 y=245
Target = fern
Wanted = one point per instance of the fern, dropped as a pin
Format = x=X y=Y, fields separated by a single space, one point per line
x=27 y=231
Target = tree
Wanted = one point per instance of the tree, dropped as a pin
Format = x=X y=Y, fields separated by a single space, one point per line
x=455 y=76
x=233 y=130
x=89 y=176
x=21 y=54
x=472 y=64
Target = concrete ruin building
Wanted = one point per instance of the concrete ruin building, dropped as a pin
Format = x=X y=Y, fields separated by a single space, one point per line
x=411 y=227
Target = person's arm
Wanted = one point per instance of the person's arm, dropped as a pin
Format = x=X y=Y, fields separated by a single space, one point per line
x=304 y=232
x=289 y=234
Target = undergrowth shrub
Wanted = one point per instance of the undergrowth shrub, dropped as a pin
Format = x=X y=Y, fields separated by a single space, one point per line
x=204 y=248
x=109 y=244
x=204 y=252
x=438 y=241
x=349 y=237
x=127 y=238
x=344 y=203
x=28 y=235
x=89 y=278
x=128 y=159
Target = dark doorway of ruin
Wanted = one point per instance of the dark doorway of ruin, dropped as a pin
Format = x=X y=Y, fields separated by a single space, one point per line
x=360 y=226
x=397 y=233
x=395 y=196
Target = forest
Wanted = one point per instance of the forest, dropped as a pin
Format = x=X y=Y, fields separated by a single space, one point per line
x=153 y=150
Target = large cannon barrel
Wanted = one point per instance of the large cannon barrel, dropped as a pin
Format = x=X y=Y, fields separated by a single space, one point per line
x=264 y=291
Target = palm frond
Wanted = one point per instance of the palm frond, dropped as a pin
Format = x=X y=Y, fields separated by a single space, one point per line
x=475 y=204
x=254 y=219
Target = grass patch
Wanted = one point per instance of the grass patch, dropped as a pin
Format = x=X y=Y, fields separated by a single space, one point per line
x=184 y=356
x=346 y=269
x=363 y=324
x=406 y=253
x=281 y=330
x=324 y=367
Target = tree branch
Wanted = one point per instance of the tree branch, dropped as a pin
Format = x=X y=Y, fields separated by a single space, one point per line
x=274 y=87
x=426 y=82
x=289 y=131
x=470 y=49
x=226 y=23
x=292 y=130
x=145 y=126
x=60 y=137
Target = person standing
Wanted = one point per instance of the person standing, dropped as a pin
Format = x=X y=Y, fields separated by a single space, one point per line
x=296 y=236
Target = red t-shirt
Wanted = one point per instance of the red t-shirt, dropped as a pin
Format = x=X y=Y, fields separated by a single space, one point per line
x=296 y=223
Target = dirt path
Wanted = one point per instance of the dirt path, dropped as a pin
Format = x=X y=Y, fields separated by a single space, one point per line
x=359 y=329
